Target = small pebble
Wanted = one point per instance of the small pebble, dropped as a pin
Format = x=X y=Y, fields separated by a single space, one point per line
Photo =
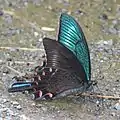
x=103 y=17
x=109 y=42
x=36 y=34
x=26 y=3
x=24 y=117
x=114 y=22
x=33 y=104
x=97 y=102
x=117 y=106
x=114 y=89
x=19 y=107
x=117 y=80
x=8 y=19
x=112 y=30
x=39 y=105
x=80 y=12
x=1 y=13
x=3 y=110
x=5 y=100
x=113 y=114
x=4 y=74
x=15 y=103
x=40 y=40
x=10 y=113
x=101 y=61
x=44 y=109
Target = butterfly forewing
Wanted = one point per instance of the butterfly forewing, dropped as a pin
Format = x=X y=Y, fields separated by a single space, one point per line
x=71 y=36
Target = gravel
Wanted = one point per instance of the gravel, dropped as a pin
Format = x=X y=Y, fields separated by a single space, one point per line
x=20 y=26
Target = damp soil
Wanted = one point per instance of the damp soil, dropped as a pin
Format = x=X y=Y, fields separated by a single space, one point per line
x=24 y=23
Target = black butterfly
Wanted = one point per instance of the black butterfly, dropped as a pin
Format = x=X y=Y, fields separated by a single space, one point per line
x=67 y=69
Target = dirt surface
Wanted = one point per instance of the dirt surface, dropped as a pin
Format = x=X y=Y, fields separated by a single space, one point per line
x=23 y=23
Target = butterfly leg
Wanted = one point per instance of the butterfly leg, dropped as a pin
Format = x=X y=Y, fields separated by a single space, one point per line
x=39 y=68
x=39 y=95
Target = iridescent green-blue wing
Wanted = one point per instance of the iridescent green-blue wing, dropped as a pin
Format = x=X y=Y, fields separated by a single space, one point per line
x=71 y=36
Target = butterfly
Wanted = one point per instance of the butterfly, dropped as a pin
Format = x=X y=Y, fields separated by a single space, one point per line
x=67 y=69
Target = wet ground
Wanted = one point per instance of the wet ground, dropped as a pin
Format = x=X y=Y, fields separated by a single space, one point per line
x=23 y=24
